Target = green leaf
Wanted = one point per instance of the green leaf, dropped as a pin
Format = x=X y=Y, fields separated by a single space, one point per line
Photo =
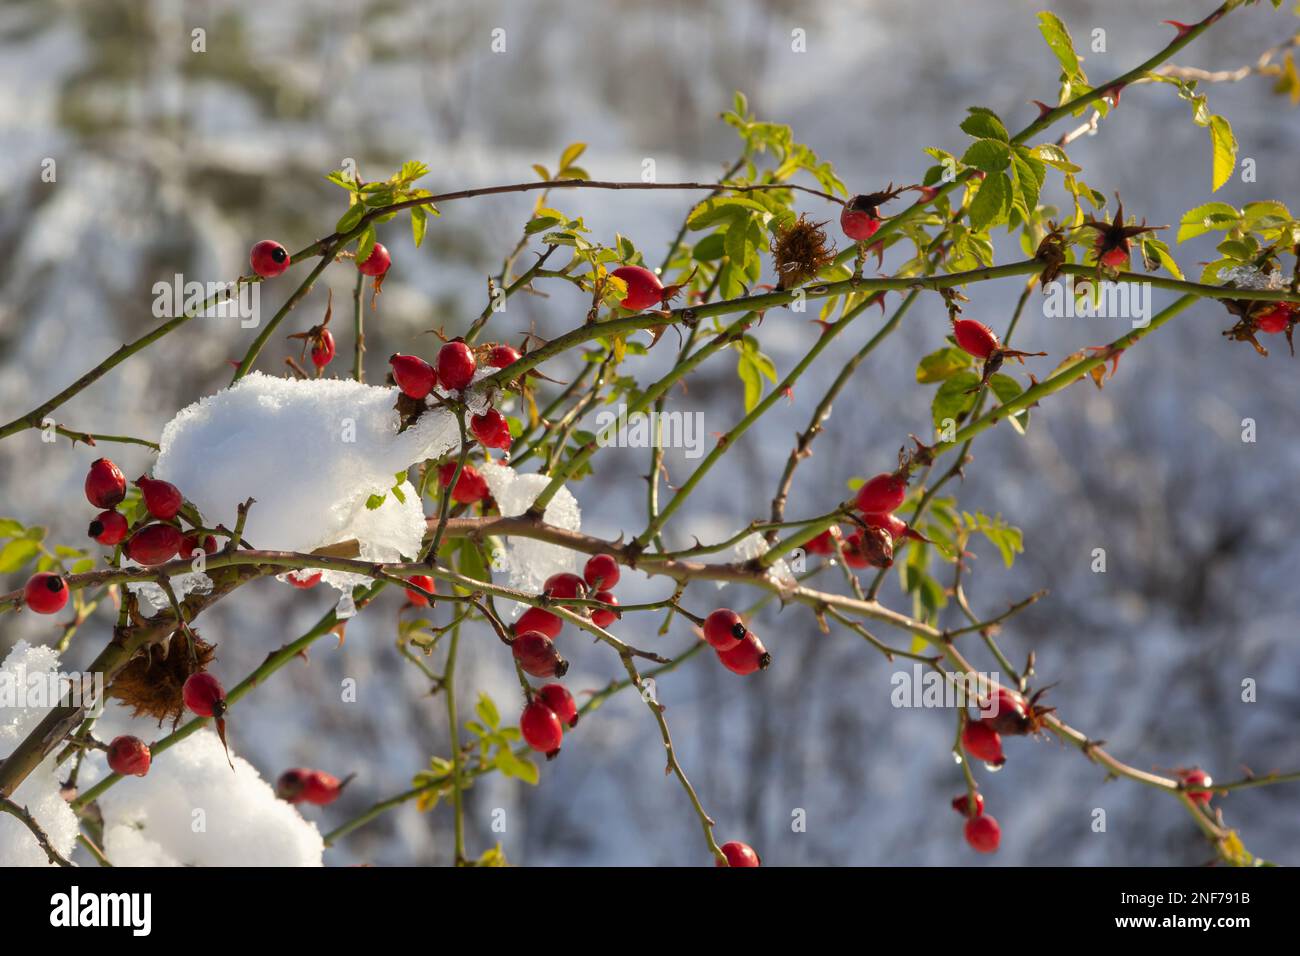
x=1156 y=250
x=984 y=124
x=16 y=554
x=374 y=501
x=1225 y=150
x=990 y=155
x=1055 y=157
x=516 y=767
x=990 y=204
x=953 y=399
x=419 y=223
x=1058 y=38
x=1212 y=216
x=710 y=248
x=940 y=365
x=10 y=528
x=366 y=244
x=713 y=211
x=1030 y=174
x=1007 y=388
x=349 y=220
x=487 y=711
x=571 y=154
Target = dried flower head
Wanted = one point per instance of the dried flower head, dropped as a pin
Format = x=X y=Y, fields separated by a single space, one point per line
x=800 y=249
x=151 y=683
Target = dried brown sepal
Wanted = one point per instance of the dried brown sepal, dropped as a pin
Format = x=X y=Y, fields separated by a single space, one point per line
x=1051 y=252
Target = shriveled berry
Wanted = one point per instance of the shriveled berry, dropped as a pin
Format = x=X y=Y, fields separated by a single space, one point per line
x=291 y=784
x=983 y=742
x=602 y=617
x=962 y=804
x=1276 y=319
x=502 y=355
x=558 y=698
x=983 y=834
x=564 y=585
x=738 y=854
x=321 y=788
x=413 y=375
x=322 y=350
x=303 y=580
x=162 y=498
x=455 y=366
x=269 y=259
x=644 y=290
x=470 y=486
x=204 y=695
x=45 y=593
x=724 y=629
x=538 y=655
x=539 y=619
x=492 y=429
x=154 y=544
x=415 y=597
x=129 y=756
x=869 y=547
x=1196 y=777
x=601 y=572
x=824 y=543
x=377 y=263
x=896 y=526
x=882 y=494
x=541 y=728
x=974 y=338
x=105 y=484
x=746 y=657
x=109 y=527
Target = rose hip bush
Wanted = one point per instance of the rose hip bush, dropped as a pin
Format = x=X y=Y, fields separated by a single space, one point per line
x=470 y=462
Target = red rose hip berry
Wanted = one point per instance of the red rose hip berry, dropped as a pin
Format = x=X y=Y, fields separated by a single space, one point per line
x=557 y=697
x=105 y=484
x=492 y=429
x=470 y=486
x=302 y=580
x=377 y=263
x=738 y=854
x=322 y=351
x=162 y=498
x=502 y=355
x=962 y=805
x=541 y=727
x=455 y=366
x=192 y=542
x=537 y=655
x=109 y=527
x=413 y=375
x=724 y=629
x=291 y=784
x=983 y=742
x=204 y=695
x=1196 y=777
x=564 y=585
x=983 y=834
x=415 y=597
x=882 y=494
x=269 y=259
x=45 y=593
x=644 y=290
x=746 y=657
x=541 y=620
x=859 y=218
x=1274 y=320
x=321 y=788
x=129 y=756
x=601 y=572
x=603 y=617
x=154 y=544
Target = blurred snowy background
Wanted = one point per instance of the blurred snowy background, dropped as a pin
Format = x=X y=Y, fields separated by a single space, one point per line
x=170 y=161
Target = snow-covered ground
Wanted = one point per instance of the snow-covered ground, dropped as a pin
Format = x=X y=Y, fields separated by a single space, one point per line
x=167 y=164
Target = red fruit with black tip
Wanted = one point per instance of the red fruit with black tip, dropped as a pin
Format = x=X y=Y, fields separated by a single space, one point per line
x=322 y=351
x=109 y=527
x=738 y=854
x=974 y=338
x=455 y=366
x=644 y=289
x=162 y=498
x=541 y=728
x=413 y=375
x=724 y=629
x=502 y=355
x=470 y=486
x=105 y=484
x=538 y=619
x=564 y=585
x=129 y=756
x=291 y=784
x=746 y=657
x=269 y=259
x=204 y=695
x=882 y=494
x=983 y=742
x=377 y=263
x=859 y=219
x=303 y=583
x=601 y=572
x=154 y=544
x=557 y=697
x=983 y=834
x=415 y=597
x=538 y=655
x=603 y=617
x=45 y=593
x=492 y=429
x=962 y=805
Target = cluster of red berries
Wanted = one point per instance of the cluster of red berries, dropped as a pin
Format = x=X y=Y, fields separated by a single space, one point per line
x=270 y=259
x=301 y=785
x=738 y=648
x=982 y=831
x=881 y=531
x=545 y=716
